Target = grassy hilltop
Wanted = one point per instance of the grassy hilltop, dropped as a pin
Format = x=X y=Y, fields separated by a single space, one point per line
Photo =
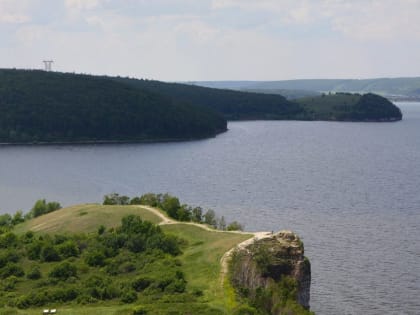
x=197 y=265
x=131 y=257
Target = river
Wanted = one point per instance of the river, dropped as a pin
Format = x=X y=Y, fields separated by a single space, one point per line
x=350 y=190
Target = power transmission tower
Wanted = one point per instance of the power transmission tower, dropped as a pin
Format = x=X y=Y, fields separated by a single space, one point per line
x=48 y=64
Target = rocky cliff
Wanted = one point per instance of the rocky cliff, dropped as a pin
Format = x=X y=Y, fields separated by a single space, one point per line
x=272 y=273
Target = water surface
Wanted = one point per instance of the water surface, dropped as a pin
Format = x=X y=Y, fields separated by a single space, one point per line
x=350 y=190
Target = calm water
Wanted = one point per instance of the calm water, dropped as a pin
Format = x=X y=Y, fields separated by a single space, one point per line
x=351 y=190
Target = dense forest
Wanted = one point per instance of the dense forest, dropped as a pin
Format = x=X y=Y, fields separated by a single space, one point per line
x=234 y=105
x=350 y=107
x=38 y=106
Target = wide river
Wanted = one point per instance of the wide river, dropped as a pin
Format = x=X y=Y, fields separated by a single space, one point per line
x=350 y=190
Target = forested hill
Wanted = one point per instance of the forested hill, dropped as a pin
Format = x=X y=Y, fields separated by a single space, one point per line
x=39 y=106
x=350 y=107
x=234 y=105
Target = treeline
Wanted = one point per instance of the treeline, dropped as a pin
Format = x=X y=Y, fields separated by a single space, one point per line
x=135 y=260
x=39 y=106
x=234 y=105
x=350 y=107
x=174 y=209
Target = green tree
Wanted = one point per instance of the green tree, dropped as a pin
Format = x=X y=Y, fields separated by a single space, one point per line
x=210 y=218
x=235 y=226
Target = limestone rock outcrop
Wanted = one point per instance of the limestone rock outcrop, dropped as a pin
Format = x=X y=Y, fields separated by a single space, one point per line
x=266 y=262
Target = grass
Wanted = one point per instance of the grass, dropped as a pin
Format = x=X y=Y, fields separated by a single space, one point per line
x=83 y=219
x=200 y=259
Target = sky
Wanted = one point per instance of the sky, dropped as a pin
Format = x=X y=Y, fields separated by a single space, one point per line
x=191 y=40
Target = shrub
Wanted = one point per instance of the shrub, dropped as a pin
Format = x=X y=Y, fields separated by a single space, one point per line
x=141 y=283
x=34 y=273
x=68 y=249
x=95 y=258
x=63 y=271
x=116 y=199
x=49 y=253
x=140 y=310
x=235 y=226
x=41 y=207
x=33 y=251
x=245 y=310
x=8 y=240
x=11 y=269
x=129 y=296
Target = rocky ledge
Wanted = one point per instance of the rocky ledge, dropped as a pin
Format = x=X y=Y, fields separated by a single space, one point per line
x=272 y=272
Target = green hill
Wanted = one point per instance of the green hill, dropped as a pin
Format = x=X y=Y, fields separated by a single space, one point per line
x=233 y=105
x=50 y=107
x=398 y=88
x=39 y=106
x=67 y=263
x=350 y=107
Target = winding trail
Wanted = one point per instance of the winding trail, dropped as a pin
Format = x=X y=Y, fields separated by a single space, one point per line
x=224 y=266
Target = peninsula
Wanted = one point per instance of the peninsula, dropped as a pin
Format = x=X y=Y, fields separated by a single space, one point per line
x=52 y=107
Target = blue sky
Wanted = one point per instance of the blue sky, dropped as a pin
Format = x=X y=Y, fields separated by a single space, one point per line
x=178 y=40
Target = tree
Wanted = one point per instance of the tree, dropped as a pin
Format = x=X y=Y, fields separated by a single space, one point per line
x=116 y=199
x=42 y=207
x=197 y=214
x=39 y=208
x=221 y=224
x=235 y=226
x=170 y=205
x=18 y=217
x=210 y=218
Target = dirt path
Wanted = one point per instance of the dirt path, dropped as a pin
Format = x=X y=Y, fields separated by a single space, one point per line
x=225 y=258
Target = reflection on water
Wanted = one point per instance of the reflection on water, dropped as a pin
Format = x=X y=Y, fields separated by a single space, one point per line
x=349 y=189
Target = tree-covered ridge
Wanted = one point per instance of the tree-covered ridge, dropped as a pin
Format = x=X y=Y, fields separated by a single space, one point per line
x=350 y=107
x=234 y=105
x=38 y=106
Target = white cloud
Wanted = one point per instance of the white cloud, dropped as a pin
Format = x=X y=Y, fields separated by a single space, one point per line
x=82 y=4
x=215 y=39
x=14 y=13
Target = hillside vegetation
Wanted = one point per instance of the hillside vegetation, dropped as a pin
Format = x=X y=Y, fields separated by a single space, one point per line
x=39 y=106
x=124 y=264
x=350 y=107
x=233 y=105
x=45 y=107
x=389 y=87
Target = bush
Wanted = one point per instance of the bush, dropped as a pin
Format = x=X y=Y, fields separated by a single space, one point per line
x=141 y=283
x=34 y=273
x=49 y=253
x=95 y=258
x=68 y=249
x=140 y=310
x=245 y=310
x=63 y=271
x=11 y=269
x=235 y=226
x=116 y=199
x=129 y=296
x=41 y=207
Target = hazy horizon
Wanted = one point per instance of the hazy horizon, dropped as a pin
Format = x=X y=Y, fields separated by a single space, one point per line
x=214 y=40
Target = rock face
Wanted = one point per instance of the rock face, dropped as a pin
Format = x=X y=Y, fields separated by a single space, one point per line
x=266 y=262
